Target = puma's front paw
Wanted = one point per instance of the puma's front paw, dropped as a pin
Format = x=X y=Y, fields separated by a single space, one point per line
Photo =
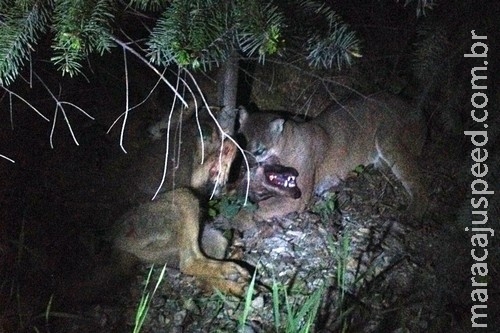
x=232 y=279
x=234 y=272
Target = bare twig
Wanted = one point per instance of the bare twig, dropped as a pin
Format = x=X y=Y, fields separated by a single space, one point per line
x=161 y=76
x=224 y=135
x=59 y=106
x=135 y=106
x=8 y=159
x=165 y=164
x=11 y=93
x=148 y=64
x=125 y=115
x=178 y=96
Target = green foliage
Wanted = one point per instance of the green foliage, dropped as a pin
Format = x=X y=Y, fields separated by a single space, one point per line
x=21 y=23
x=301 y=318
x=248 y=302
x=145 y=301
x=326 y=206
x=334 y=44
x=205 y=32
x=81 y=27
x=201 y=33
x=360 y=169
x=289 y=316
x=260 y=28
x=195 y=34
x=298 y=317
x=187 y=33
x=342 y=251
x=229 y=206
x=153 y=5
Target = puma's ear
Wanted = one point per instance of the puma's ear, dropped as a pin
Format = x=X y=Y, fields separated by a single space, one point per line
x=243 y=115
x=276 y=126
x=228 y=150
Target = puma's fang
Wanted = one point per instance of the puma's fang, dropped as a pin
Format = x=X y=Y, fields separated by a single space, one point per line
x=278 y=180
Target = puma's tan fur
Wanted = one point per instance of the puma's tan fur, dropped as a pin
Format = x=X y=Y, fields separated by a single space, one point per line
x=195 y=156
x=378 y=128
x=167 y=230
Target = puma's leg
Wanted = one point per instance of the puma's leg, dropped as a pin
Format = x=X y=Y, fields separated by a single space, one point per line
x=405 y=167
x=226 y=276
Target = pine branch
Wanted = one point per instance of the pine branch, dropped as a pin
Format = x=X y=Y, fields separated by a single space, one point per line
x=261 y=25
x=152 y=5
x=339 y=47
x=332 y=44
x=201 y=33
x=197 y=33
x=190 y=33
x=21 y=23
x=81 y=27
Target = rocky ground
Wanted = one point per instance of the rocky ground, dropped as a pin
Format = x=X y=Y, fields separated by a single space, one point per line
x=353 y=263
x=363 y=268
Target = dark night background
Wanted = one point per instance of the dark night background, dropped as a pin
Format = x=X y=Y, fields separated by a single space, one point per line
x=55 y=203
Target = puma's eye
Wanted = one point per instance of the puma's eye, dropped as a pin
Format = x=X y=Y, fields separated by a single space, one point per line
x=261 y=150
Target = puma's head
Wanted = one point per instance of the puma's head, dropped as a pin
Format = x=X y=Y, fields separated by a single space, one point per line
x=263 y=132
x=213 y=173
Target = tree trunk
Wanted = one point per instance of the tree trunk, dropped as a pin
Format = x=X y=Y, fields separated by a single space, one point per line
x=227 y=92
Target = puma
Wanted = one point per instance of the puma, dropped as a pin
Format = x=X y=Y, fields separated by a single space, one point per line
x=197 y=158
x=375 y=129
x=166 y=230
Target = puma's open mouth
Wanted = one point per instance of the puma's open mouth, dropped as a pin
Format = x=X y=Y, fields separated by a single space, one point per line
x=273 y=180
x=281 y=176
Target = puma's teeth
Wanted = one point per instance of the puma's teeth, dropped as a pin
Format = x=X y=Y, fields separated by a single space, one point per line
x=279 y=180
